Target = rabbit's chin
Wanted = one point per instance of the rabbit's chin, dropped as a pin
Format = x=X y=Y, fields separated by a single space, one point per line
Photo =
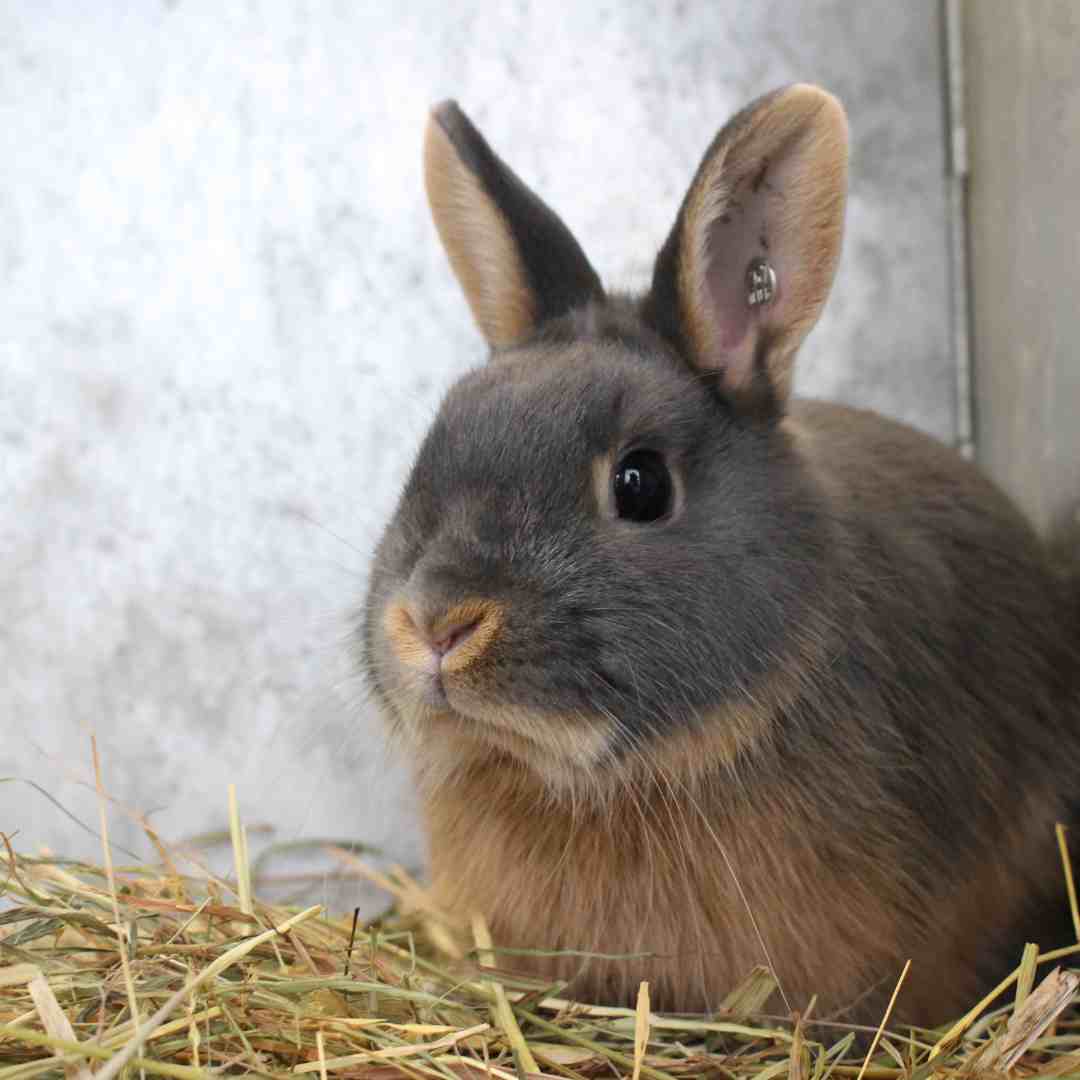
x=566 y=753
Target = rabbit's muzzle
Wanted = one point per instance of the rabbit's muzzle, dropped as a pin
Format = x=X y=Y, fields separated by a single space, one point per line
x=442 y=642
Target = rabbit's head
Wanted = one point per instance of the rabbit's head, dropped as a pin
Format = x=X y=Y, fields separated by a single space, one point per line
x=609 y=548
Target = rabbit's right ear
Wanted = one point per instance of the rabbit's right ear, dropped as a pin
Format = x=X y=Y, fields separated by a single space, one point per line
x=748 y=265
x=516 y=261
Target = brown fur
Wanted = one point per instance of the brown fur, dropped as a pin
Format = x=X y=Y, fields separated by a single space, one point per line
x=647 y=874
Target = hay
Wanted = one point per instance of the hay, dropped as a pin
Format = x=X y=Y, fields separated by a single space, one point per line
x=148 y=971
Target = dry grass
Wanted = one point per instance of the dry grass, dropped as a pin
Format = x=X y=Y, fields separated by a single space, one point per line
x=150 y=971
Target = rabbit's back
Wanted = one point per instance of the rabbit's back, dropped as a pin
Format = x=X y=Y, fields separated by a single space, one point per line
x=956 y=621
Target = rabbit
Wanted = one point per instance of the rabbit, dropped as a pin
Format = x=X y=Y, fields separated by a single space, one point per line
x=695 y=675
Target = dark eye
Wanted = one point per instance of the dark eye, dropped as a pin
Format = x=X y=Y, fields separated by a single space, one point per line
x=642 y=486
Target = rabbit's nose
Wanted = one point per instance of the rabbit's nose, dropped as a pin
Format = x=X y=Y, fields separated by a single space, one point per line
x=448 y=640
x=452 y=634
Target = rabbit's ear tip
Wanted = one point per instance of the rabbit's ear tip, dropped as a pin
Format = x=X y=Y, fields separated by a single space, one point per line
x=813 y=98
x=442 y=133
x=446 y=113
x=811 y=92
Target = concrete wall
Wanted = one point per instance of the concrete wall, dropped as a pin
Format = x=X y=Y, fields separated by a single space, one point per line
x=225 y=322
x=1022 y=65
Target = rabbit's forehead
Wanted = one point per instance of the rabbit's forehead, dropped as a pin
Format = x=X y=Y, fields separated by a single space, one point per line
x=586 y=398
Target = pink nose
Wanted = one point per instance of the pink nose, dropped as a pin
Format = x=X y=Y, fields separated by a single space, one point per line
x=455 y=639
x=452 y=635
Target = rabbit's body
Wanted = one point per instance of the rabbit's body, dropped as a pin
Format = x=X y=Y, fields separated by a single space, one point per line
x=693 y=671
x=899 y=800
x=645 y=875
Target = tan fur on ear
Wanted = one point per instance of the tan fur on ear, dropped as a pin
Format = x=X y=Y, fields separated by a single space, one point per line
x=800 y=133
x=478 y=242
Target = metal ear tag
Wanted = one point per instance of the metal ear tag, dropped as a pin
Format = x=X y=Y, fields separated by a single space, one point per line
x=760 y=282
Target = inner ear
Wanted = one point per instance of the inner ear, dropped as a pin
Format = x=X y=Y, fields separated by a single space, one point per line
x=748 y=266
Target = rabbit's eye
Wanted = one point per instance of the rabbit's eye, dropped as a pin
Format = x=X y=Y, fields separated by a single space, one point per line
x=642 y=486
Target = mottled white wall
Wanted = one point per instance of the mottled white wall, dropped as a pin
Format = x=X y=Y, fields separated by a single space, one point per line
x=225 y=321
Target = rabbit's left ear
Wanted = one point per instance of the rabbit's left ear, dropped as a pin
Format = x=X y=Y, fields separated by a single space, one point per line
x=749 y=263
x=516 y=261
